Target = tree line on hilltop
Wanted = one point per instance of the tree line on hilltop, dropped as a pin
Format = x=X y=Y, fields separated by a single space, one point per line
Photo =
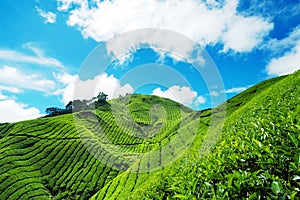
x=100 y=101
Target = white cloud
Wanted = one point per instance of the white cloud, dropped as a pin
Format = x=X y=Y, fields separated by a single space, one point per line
x=79 y=89
x=288 y=62
x=49 y=17
x=236 y=90
x=245 y=33
x=3 y=97
x=13 y=77
x=280 y=9
x=11 y=111
x=10 y=89
x=67 y=90
x=65 y=78
x=206 y=23
x=179 y=94
x=165 y=43
x=38 y=58
x=200 y=100
x=277 y=46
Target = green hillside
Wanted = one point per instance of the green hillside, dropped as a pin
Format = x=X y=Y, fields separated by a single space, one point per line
x=147 y=147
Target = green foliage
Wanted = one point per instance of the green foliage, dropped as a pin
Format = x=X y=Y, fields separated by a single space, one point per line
x=256 y=157
x=49 y=155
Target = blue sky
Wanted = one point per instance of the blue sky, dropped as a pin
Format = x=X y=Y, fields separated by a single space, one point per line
x=46 y=50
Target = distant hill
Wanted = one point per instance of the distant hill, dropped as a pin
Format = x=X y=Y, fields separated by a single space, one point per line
x=148 y=147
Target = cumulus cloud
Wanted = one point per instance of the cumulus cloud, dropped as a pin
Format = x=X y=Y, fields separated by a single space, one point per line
x=87 y=89
x=290 y=60
x=286 y=64
x=278 y=46
x=180 y=94
x=245 y=33
x=14 y=79
x=191 y=18
x=199 y=100
x=12 y=111
x=49 y=17
x=165 y=43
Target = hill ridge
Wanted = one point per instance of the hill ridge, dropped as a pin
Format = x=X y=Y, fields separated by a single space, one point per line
x=66 y=157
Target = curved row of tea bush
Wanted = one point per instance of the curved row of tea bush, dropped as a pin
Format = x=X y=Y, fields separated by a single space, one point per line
x=147 y=147
x=70 y=156
x=256 y=157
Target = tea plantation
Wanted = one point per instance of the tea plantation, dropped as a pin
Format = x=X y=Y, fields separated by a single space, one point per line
x=147 y=147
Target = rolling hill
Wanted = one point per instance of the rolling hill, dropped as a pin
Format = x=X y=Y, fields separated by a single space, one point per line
x=148 y=147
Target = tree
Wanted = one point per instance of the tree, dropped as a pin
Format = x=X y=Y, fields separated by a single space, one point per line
x=102 y=97
x=69 y=106
x=53 y=110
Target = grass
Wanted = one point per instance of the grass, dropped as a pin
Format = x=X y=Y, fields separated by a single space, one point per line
x=148 y=147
